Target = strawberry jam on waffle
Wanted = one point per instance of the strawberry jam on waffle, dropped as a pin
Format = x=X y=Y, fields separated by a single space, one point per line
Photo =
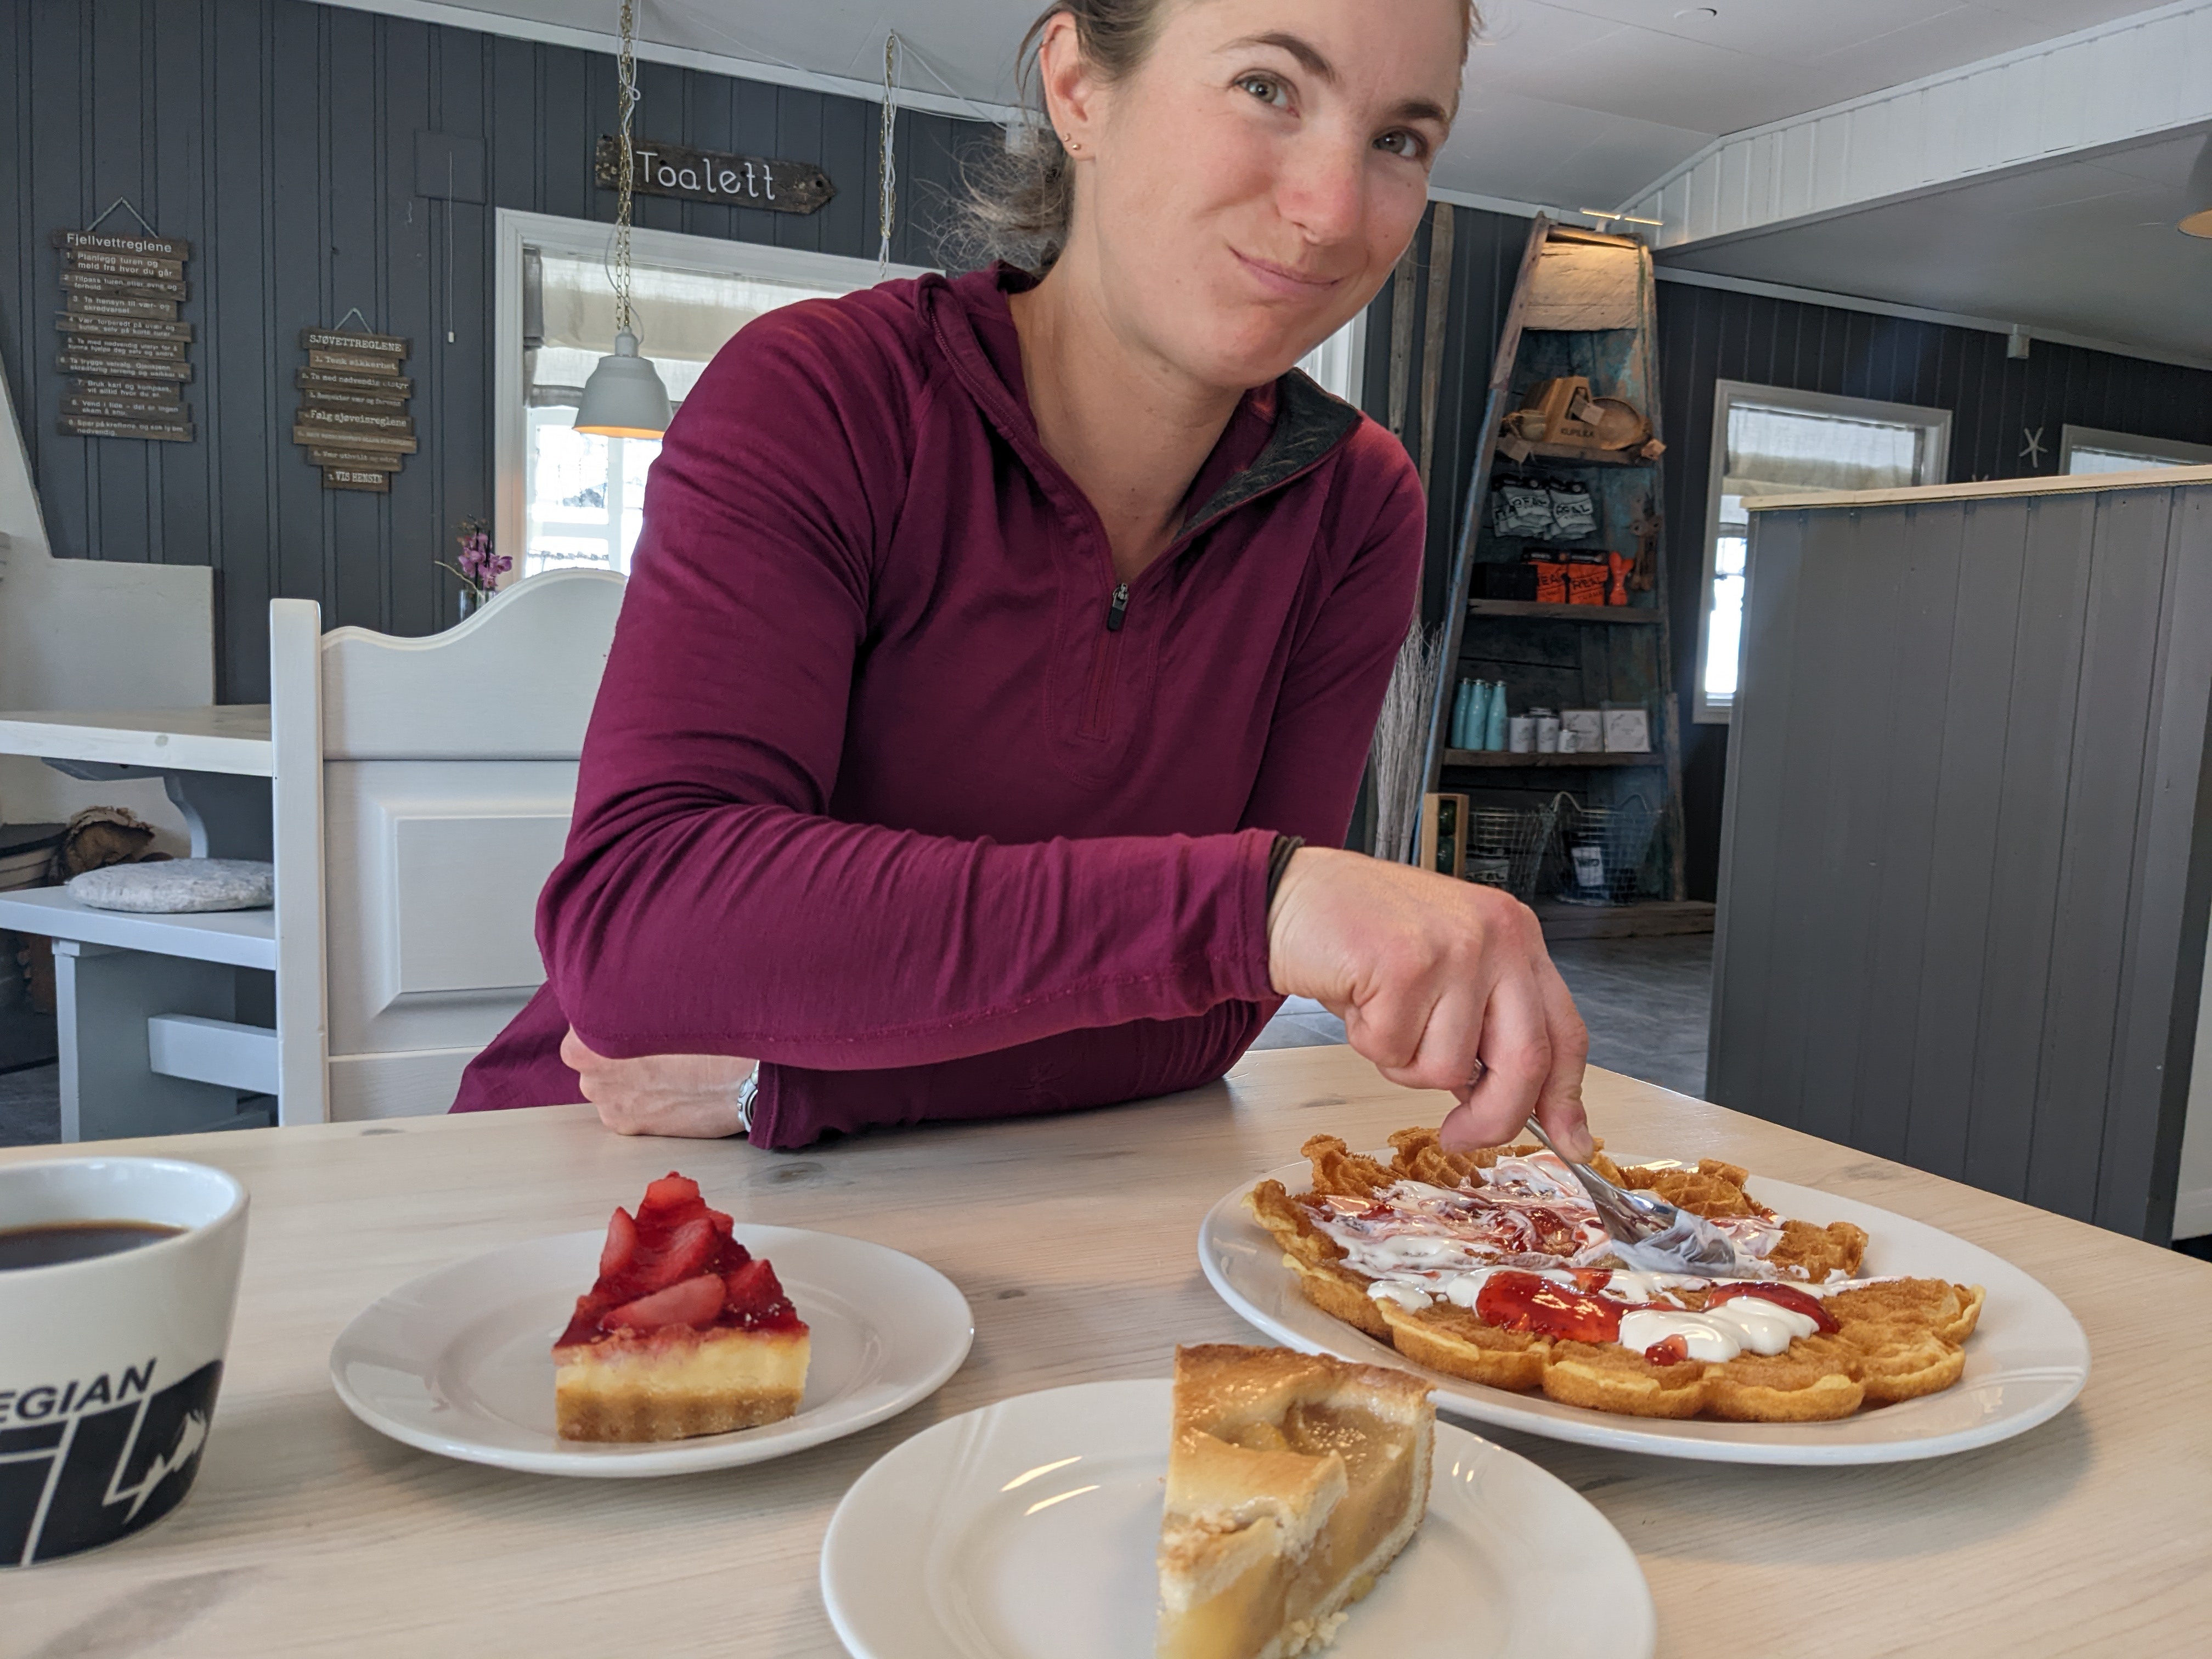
x=685 y=1332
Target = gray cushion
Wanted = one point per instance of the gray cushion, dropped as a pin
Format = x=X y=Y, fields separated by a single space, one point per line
x=176 y=886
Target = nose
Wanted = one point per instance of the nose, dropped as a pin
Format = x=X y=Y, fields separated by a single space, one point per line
x=1323 y=188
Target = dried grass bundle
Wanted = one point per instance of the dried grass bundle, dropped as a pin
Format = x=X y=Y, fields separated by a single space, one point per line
x=1400 y=745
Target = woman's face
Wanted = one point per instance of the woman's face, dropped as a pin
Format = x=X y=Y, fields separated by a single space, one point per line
x=1246 y=191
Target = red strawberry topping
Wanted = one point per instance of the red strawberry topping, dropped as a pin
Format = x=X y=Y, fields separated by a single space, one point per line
x=693 y=1302
x=675 y=1264
x=755 y=1296
x=621 y=1245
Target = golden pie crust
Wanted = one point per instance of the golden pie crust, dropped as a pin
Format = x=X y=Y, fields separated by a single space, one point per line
x=674 y=1383
x=1293 y=1482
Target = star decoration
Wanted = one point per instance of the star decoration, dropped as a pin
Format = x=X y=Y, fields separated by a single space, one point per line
x=2032 y=451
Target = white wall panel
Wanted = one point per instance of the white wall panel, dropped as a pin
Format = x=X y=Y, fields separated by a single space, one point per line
x=2127 y=79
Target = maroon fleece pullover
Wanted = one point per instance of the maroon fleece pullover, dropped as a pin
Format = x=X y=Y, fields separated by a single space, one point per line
x=892 y=786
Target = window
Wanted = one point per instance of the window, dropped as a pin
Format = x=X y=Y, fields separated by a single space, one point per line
x=569 y=498
x=2085 y=449
x=1770 y=442
x=1339 y=363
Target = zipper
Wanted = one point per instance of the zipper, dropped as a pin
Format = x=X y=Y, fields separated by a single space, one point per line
x=1099 y=705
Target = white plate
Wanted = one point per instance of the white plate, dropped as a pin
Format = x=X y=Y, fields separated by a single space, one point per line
x=460 y=1361
x=1028 y=1530
x=2025 y=1363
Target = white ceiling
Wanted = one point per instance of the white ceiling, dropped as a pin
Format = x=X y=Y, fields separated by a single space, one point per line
x=1577 y=104
x=2083 y=245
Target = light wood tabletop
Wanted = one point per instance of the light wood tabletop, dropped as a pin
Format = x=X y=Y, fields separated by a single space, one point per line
x=1074 y=1240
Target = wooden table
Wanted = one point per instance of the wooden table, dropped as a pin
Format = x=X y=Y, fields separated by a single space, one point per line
x=1075 y=1240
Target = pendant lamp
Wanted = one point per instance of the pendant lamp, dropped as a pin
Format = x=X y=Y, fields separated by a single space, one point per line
x=624 y=398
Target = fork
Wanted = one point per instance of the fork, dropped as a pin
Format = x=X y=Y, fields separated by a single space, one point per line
x=1652 y=1234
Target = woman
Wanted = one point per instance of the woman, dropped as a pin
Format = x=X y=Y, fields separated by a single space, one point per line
x=994 y=681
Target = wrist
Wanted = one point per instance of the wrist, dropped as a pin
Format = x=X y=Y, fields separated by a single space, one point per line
x=1285 y=902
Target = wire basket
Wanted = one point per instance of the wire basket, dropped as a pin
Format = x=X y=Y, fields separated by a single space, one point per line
x=1506 y=845
x=1602 y=849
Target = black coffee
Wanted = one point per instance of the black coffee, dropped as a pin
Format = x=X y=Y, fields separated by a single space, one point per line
x=50 y=1242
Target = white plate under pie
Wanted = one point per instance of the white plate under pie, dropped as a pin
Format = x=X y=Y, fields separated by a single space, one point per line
x=460 y=1361
x=2025 y=1363
x=1028 y=1530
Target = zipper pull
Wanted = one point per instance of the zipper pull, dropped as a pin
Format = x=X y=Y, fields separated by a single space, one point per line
x=1118 y=609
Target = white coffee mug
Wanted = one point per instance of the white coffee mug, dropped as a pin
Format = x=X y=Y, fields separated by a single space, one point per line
x=109 y=1364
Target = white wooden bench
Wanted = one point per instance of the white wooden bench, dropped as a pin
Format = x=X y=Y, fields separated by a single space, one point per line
x=418 y=794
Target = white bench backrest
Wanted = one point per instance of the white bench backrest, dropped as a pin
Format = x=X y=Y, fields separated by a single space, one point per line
x=446 y=772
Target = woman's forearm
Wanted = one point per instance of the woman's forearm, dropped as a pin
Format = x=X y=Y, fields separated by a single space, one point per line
x=675 y=928
x=1097 y=1066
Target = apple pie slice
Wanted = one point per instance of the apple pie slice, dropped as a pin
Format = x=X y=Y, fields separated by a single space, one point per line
x=1293 y=1481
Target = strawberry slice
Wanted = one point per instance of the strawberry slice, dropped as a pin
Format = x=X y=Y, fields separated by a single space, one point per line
x=672 y=1191
x=620 y=1246
x=691 y=1302
x=753 y=1290
x=662 y=1259
x=689 y=1251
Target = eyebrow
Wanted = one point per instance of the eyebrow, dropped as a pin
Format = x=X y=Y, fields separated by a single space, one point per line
x=1311 y=59
x=1308 y=56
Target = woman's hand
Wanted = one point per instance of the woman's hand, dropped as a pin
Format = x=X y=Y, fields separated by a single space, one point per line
x=690 y=1095
x=1443 y=984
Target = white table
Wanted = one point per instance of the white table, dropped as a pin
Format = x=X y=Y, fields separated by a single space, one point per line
x=114 y=973
x=1074 y=1239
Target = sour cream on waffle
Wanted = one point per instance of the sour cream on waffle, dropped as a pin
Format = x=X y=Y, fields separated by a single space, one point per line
x=1419 y=1244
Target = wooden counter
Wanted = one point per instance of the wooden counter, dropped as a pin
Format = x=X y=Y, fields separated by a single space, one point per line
x=1074 y=1239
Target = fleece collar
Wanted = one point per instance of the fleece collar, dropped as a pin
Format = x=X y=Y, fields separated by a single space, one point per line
x=967 y=316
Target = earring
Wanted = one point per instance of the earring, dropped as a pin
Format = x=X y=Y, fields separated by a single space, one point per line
x=1069 y=144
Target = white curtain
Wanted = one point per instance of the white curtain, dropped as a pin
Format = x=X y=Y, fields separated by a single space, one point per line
x=683 y=318
x=1774 y=452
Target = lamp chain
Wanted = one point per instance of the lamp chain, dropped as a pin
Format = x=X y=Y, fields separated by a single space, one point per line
x=887 y=160
x=626 y=73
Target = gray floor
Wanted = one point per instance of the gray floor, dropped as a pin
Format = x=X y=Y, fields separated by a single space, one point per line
x=1644 y=999
x=31 y=1106
x=1645 y=1002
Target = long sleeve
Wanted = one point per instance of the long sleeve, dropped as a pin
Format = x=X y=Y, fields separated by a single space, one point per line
x=1317 y=749
x=892 y=787
x=707 y=904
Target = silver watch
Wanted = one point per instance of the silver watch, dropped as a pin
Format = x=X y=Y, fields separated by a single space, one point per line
x=746 y=1090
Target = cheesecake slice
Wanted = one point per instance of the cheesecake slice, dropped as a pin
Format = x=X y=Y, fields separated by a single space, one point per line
x=1293 y=1481
x=684 y=1333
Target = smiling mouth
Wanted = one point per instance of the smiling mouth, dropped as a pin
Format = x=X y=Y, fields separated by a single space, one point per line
x=1285 y=274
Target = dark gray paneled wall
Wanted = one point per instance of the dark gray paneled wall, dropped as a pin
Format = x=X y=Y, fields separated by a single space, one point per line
x=1486 y=258
x=1712 y=334
x=279 y=138
x=1968 y=856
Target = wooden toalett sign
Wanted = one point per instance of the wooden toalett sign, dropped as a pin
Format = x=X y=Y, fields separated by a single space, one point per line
x=353 y=419
x=122 y=342
x=708 y=175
